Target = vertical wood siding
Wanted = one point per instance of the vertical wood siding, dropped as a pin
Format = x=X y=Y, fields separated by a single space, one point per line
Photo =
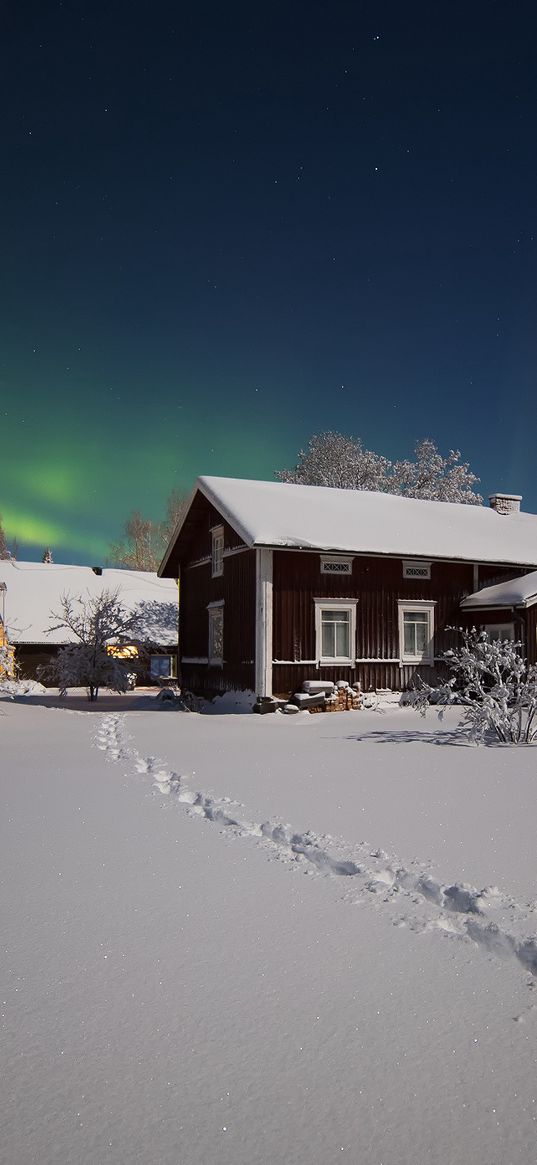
x=236 y=586
x=376 y=584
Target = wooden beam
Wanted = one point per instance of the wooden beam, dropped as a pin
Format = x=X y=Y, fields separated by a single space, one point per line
x=263 y=622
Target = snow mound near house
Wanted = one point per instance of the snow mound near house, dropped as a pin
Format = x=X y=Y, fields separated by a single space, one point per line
x=229 y=703
x=21 y=688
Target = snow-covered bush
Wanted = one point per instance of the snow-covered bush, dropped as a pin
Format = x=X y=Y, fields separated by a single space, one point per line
x=494 y=683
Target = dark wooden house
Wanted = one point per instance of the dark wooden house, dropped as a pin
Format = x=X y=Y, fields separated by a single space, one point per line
x=281 y=583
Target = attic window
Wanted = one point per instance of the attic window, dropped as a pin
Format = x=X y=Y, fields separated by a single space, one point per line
x=217 y=551
x=335 y=565
x=416 y=569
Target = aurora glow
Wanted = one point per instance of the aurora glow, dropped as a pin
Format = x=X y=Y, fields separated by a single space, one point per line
x=221 y=236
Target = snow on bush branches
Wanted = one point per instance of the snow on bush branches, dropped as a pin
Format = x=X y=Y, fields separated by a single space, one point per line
x=496 y=685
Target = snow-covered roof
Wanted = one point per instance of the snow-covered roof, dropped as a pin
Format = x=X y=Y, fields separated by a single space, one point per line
x=520 y=592
x=34 y=589
x=275 y=514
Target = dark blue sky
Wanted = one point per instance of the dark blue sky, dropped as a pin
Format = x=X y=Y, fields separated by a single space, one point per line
x=227 y=229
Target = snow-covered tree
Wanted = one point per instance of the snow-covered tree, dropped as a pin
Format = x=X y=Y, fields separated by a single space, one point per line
x=145 y=540
x=340 y=462
x=332 y=459
x=47 y=555
x=433 y=477
x=493 y=681
x=4 y=549
x=97 y=622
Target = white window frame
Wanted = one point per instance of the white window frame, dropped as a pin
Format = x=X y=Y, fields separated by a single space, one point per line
x=157 y=674
x=214 y=609
x=507 y=631
x=217 y=551
x=335 y=605
x=409 y=608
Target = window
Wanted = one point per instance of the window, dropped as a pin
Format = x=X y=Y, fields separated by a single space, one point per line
x=162 y=667
x=497 y=631
x=217 y=553
x=122 y=650
x=335 y=631
x=416 y=631
x=336 y=565
x=416 y=569
x=216 y=634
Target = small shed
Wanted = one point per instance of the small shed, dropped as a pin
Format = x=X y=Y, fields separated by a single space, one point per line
x=507 y=611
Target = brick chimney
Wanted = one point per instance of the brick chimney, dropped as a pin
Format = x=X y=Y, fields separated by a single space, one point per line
x=505 y=503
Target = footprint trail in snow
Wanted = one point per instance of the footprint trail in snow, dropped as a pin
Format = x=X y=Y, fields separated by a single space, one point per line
x=456 y=910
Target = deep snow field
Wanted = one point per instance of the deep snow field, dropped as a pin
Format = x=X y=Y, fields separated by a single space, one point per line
x=242 y=940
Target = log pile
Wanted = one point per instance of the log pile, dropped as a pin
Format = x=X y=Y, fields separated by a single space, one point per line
x=325 y=696
x=316 y=696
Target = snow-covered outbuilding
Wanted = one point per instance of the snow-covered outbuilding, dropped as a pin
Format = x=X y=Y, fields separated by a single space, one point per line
x=31 y=594
x=507 y=611
x=280 y=583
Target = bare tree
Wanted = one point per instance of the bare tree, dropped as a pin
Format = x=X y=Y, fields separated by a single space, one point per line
x=145 y=540
x=176 y=507
x=97 y=623
x=5 y=552
x=138 y=549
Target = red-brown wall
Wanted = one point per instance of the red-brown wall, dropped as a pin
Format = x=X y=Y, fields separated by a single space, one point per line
x=377 y=584
x=236 y=586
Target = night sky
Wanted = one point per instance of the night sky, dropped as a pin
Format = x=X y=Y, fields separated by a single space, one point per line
x=228 y=227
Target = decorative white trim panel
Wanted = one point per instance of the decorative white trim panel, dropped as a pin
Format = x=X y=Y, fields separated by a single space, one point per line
x=336 y=565
x=416 y=569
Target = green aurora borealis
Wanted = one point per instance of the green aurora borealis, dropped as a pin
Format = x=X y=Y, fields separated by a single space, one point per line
x=77 y=474
x=223 y=235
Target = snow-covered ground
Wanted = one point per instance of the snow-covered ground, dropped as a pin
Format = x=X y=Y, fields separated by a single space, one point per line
x=250 y=940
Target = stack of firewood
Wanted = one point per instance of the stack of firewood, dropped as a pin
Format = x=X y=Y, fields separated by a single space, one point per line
x=325 y=696
x=344 y=699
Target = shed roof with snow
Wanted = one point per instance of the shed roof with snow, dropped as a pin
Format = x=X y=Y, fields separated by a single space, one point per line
x=34 y=589
x=520 y=592
x=274 y=514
